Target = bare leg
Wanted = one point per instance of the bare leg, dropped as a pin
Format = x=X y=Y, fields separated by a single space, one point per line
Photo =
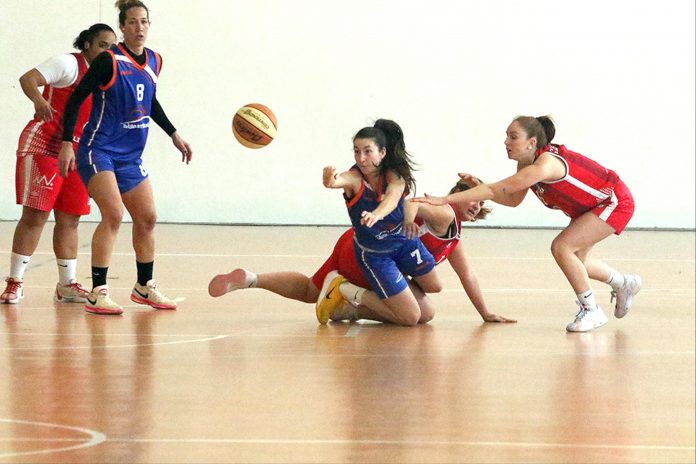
x=104 y=190
x=289 y=284
x=65 y=235
x=28 y=231
x=572 y=245
x=140 y=204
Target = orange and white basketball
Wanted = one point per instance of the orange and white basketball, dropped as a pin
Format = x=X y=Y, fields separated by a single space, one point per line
x=254 y=125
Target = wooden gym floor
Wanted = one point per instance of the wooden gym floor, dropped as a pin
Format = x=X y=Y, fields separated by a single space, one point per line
x=252 y=377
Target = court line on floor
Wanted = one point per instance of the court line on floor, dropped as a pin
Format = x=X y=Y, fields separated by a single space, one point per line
x=323 y=256
x=95 y=439
x=133 y=345
x=400 y=443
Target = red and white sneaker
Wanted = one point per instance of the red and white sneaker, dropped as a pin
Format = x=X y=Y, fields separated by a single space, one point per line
x=149 y=295
x=226 y=283
x=13 y=291
x=99 y=302
x=74 y=292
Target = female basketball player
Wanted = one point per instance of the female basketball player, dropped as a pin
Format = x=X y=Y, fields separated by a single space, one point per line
x=39 y=188
x=594 y=197
x=374 y=190
x=122 y=81
x=439 y=228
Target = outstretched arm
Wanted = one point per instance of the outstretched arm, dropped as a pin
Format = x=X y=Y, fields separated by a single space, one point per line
x=460 y=263
x=390 y=201
x=509 y=191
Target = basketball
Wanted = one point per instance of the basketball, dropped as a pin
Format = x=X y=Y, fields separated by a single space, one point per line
x=254 y=125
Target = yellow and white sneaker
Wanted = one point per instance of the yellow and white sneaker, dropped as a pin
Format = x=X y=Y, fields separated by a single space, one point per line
x=149 y=295
x=99 y=302
x=71 y=293
x=330 y=297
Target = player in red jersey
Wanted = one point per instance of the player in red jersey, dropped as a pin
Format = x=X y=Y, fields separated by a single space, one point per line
x=439 y=228
x=596 y=200
x=39 y=187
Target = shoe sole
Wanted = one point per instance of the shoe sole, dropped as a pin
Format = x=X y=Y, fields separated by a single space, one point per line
x=103 y=311
x=143 y=301
x=619 y=314
x=76 y=299
x=223 y=284
x=588 y=330
x=327 y=306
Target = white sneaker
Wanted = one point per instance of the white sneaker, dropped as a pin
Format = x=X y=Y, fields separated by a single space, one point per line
x=14 y=291
x=624 y=295
x=226 y=283
x=149 y=295
x=587 y=319
x=71 y=293
x=330 y=297
x=346 y=312
x=99 y=302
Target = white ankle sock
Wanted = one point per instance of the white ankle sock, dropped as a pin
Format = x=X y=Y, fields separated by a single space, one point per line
x=18 y=265
x=351 y=292
x=67 y=270
x=251 y=279
x=616 y=279
x=587 y=299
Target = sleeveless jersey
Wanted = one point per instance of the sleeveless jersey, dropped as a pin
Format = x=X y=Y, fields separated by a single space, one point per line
x=441 y=247
x=120 y=115
x=386 y=235
x=45 y=137
x=585 y=186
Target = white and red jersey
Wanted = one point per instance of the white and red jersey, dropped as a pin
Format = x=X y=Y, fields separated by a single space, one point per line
x=62 y=75
x=585 y=186
x=441 y=246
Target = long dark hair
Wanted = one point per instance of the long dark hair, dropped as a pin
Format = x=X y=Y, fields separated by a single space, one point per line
x=541 y=127
x=125 y=5
x=387 y=134
x=88 y=35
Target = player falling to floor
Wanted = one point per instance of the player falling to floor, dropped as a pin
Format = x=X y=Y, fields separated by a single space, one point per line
x=597 y=201
x=39 y=187
x=439 y=228
x=123 y=83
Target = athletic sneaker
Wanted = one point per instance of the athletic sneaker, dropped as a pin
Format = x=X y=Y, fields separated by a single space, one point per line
x=330 y=297
x=149 y=295
x=71 y=293
x=587 y=319
x=226 y=283
x=624 y=295
x=13 y=291
x=99 y=302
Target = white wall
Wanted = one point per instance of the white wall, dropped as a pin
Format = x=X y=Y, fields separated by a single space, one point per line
x=618 y=76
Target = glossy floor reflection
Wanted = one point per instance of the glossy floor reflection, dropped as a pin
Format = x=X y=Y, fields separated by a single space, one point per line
x=252 y=377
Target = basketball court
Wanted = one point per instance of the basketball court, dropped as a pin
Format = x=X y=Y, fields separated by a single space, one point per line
x=252 y=377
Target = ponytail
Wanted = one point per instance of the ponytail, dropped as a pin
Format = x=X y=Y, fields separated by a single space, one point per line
x=387 y=134
x=542 y=128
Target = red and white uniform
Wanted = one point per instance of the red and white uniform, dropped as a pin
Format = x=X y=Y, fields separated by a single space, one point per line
x=586 y=186
x=441 y=246
x=38 y=184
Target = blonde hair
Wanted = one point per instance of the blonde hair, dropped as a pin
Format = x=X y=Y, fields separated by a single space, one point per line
x=462 y=186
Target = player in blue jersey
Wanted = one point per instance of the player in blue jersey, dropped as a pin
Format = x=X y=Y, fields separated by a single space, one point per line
x=374 y=190
x=123 y=84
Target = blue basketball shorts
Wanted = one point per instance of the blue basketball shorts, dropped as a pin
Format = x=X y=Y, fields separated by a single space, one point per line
x=129 y=172
x=386 y=271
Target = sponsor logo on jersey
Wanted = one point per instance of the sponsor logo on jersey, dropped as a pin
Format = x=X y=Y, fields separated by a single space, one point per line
x=140 y=123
